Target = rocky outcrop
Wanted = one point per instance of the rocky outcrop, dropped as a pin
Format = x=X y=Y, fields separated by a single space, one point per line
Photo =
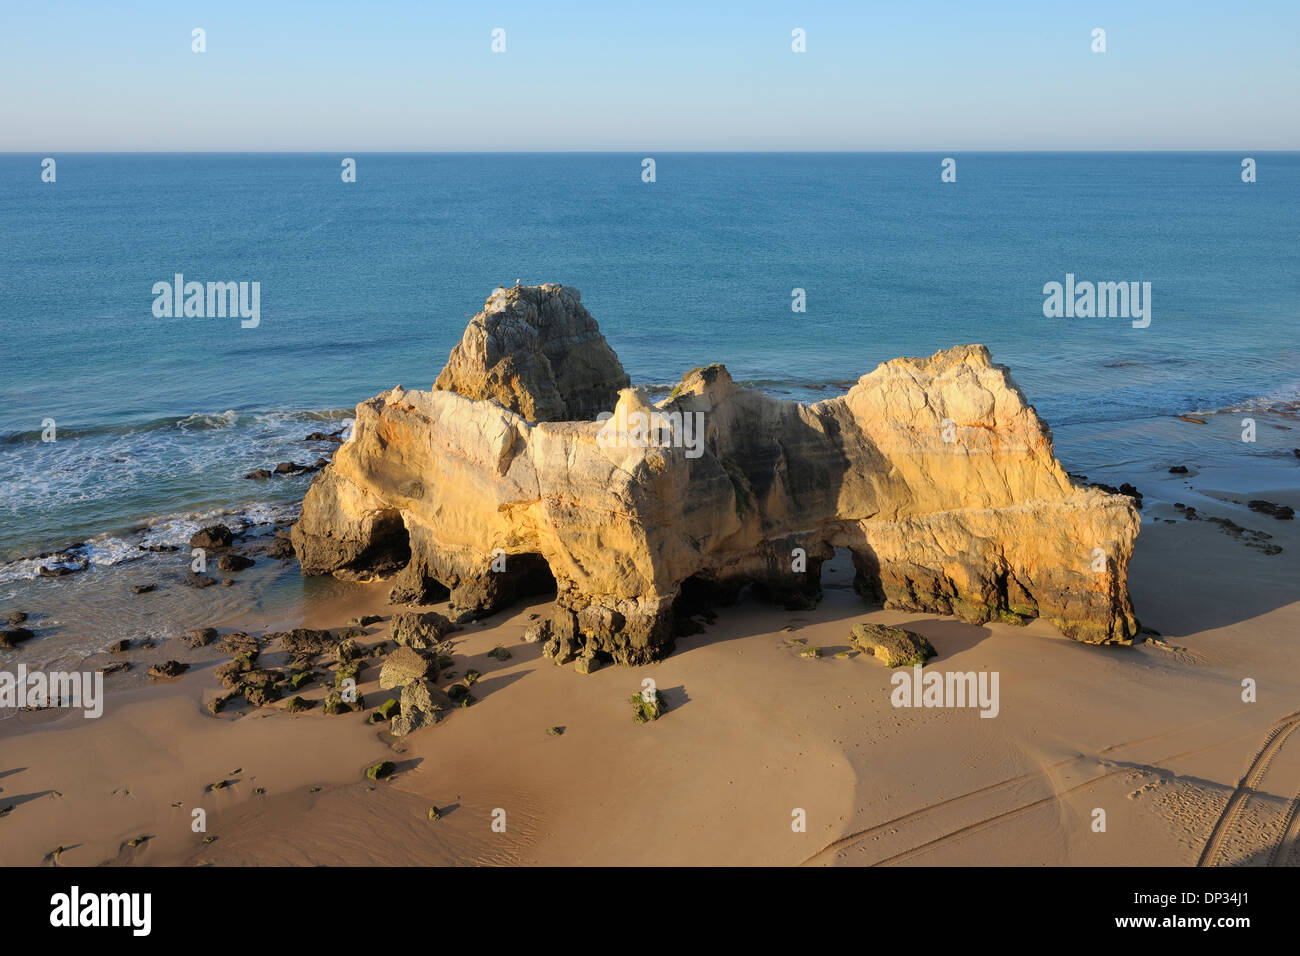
x=421 y=706
x=405 y=666
x=420 y=630
x=934 y=473
x=539 y=353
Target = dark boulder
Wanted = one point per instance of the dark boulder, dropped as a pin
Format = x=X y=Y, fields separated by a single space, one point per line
x=234 y=562
x=211 y=537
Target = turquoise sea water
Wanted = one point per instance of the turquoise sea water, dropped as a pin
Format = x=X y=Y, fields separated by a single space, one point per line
x=369 y=284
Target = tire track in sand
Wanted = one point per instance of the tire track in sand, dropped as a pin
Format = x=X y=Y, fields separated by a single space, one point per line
x=858 y=836
x=1246 y=786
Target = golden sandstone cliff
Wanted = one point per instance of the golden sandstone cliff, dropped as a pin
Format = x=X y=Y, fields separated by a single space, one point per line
x=935 y=473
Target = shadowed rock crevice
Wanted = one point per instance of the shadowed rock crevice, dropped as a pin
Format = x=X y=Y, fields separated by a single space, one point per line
x=934 y=473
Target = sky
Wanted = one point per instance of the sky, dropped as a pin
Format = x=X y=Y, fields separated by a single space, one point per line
x=666 y=75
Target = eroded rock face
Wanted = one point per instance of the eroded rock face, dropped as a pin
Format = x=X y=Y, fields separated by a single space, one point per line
x=538 y=352
x=935 y=473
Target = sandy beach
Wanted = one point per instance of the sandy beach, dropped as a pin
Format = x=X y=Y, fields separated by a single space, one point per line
x=1156 y=735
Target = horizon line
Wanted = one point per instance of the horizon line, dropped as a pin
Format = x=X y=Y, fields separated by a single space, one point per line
x=642 y=151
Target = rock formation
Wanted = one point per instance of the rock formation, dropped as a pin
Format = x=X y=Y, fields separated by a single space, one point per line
x=538 y=352
x=934 y=473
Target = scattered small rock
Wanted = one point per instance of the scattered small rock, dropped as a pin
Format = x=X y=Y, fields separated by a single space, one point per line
x=647 y=707
x=200 y=636
x=335 y=704
x=280 y=548
x=167 y=669
x=234 y=562
x=1281 y=512
x=11 y=637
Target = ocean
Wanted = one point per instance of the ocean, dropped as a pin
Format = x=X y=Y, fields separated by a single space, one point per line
x=368 y=284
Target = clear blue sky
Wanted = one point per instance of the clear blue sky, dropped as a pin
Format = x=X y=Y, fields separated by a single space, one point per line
x=663 y=75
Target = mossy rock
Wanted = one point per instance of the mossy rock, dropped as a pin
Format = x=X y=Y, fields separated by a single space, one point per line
x=388 y=708
x=893 y=646
x=644 y=711
x=471 y=677
x=352 y=669
x=302 y=677
x=500 y=653
x=435 y=814
x=457 y=691
x=297 y=705
x=335 y=704
x=385 y=768
x=555 y=731
x=261 y=695
x=231 y=673
x=1017 y=614
x=813 y=652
